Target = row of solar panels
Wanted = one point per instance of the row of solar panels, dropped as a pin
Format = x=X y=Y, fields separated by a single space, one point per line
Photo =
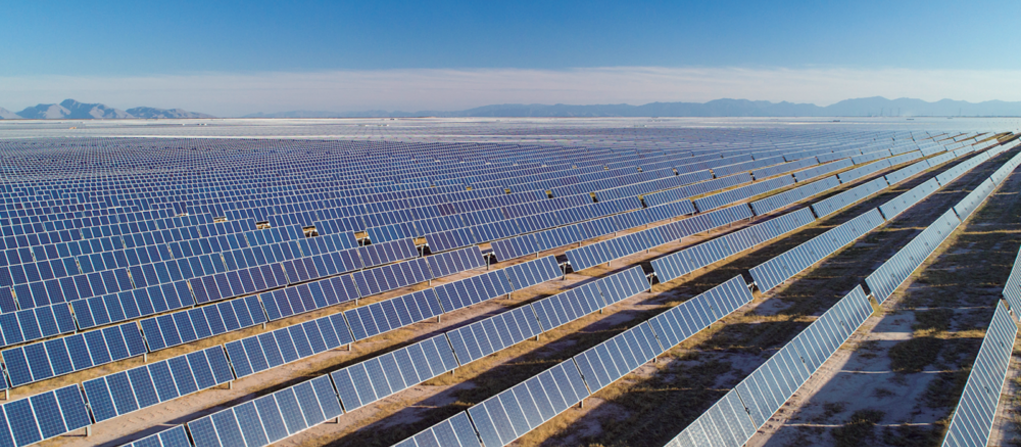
x=784 y=266
x=528 y=244
x=605 y=251
x=503 y=418
x=972 y=420
x=39 y=361
x=462 y=237
x=374 y=379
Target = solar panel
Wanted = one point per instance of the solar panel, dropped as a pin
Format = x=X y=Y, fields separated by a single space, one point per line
x=145 y=386
x=735 y=418
x=258 y=353
x=783 y=267
x=363 y=383
x=39 y=361
x=485 y=337
x=834 y=203
x=533 y=272
x=896 y=270
x=43 y=416
x=972 y=420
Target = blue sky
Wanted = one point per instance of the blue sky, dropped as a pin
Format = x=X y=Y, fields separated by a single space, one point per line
x=242 y=57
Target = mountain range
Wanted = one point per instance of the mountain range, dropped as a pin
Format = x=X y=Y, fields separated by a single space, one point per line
x=874 y=106
x=71 y=109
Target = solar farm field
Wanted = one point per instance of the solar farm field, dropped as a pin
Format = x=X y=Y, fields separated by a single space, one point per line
x=427 y=282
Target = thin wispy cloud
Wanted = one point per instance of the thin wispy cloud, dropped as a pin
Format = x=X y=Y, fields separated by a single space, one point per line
x=233 y=94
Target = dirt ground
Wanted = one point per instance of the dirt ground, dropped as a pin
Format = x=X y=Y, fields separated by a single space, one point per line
x=412 y=410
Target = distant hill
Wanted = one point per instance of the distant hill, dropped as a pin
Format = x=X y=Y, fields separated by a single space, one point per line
x=154 y=113
x=71 y=109
x=875 y=106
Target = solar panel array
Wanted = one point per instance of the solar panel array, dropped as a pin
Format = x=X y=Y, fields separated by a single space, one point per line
x=827 y=168
x=562 y=236
x=522 y=408
x=454 y=431
x=904 y=173
x=35 y=324
x=908 y=199
x=862 y=171
x=287 y=344
x=955 y=172
x=973 y=418
x=970 y=202
x=374 y=379
x=269 y=418
x=784 y=168
x=136 y=256
x=759 y=397
x=187 y=326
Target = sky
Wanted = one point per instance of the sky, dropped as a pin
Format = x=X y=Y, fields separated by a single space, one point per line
x=233 y=58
